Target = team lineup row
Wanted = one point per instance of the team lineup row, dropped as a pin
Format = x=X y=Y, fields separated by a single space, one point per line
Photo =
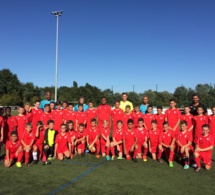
x=134 y=133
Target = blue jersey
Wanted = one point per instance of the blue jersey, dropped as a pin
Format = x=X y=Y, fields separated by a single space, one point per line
x=143 y=109
x=44 y=102
x=85 y=107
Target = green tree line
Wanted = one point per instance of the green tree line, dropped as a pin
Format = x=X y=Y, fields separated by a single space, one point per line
x=14 y=92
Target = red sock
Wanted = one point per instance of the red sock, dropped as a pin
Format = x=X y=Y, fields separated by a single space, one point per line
x=26 y=157
x=171 y=155
x=107 y=151
x=44 y=157
x=19 y=157
x=72 y=149
x=112 y=151
x=159 y=154
x=82 y=148
x=135 y=153
x=97 y=147
x=145 y=151
x=198 y=161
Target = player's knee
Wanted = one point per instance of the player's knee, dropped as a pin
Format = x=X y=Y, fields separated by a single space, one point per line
x=196 y=154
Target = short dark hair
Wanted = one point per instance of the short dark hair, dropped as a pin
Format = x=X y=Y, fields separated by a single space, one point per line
x=130 y=121
x=93 y=120
x=62 y=125
x=39 y=123
x=90 y=101
x=80 y=105
x=119 y=121
x=186 y=106
x=47 y=105
x=69 y=122
x=13 y=133
x=128 y=106
x=36 y=101
x=81 y=125
x=149 y=106
x=8 y=108
x=165 y=123
x=50 y=121
x=183 y=122
x=124 y=93
x=58 y=103
x=140 y=120
x=172 y=100
x=28 y=124
x=195 y=94
x=205 y=126
x=154 y=121
x=65 y=102
x=160 y=107
x=117 y=101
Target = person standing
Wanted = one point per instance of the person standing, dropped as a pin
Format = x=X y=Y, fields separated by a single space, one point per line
x=144 y=105
x=47 y=100
x=124 y=102
x=196 y=103
x=81 y=101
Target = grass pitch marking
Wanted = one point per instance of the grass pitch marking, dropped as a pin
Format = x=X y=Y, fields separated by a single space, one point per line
x=76 y=178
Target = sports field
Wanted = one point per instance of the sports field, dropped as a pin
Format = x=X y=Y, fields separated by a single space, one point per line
x=88 y=175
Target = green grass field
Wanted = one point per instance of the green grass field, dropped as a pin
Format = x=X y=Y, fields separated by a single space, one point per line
x=88 y=175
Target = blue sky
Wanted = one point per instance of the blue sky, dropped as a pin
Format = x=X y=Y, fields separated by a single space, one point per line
x=110 y=42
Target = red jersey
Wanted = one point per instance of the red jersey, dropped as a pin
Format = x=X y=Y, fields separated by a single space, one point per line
x=104 y=112
x=129 y=137
x=29 y=116
x=147 y=120
x=116 y=114
x=28 y=137
x=160 y=119
x=154 y=136
x=198 y=121
x=204 y=141
x=136 y=116
x=167 y=137
x=36 y=116
x=184 y=138
x=118 y=135
x=72 y=134
x=45 y=117
x=188 y=119
x=58 y=119
x=40 y=139
x=21 y=122
x=80 y=117
x=79 y=135
x=62 y=141
x=65 y=110
x=9 y=125
x=90 y=114
x=172 y=116
x=92 y=133
x=69 y=116
x=125 y=119
x=211 y=122
x=141 y=135
x=104 y=132
x=12 y=146
x=1 y=122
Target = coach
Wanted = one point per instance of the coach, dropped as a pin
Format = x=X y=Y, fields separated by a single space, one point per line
x=196 y=102
x=124 y=102
x=47 y=100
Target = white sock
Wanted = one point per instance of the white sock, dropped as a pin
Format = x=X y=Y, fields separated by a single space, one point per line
x=34 y=155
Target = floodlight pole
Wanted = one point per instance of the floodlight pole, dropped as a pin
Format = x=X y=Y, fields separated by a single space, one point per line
x=57 y=14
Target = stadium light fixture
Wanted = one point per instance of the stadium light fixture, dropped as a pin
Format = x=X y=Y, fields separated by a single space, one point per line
x=56 y=14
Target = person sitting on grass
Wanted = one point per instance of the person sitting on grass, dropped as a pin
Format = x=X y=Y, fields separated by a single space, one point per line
x=62 y=144
x=80 y=139
x=48 y=144
x=184 y=141
x=204 y=148
x=117 y=142
x=14 y=151
x=27 y=141
x=167 y=144
x=93 y=141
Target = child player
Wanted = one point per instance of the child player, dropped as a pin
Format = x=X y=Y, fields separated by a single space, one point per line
x=148 y=117
x=211 y=122
x=1 y=128
x=184 y=140
x=10 y=123
x=173 y=115
x=116 y=115
x=48 y=144
x=28 y=112
x=46 y=115
x=142 y=138
x=136 y=114
x=104 y=140
x=126 y=116
x=27 y=141
x=72 y=132
x=36 y=115
x=80 y=141
x=52 y=106
x=104 y=112
x=188 y=118
x=160 y=118
x=198 y=121
x=204 y=148
x=21 y=120
x=62 y=144
x=154 y=135
x=117 y=142
x=166 y=144
x=57 y=115
x=91 y=113
x=13 y=151
x=70 y=115
x=93 y=142
x=40 y=134
x=129 y=141
x=80 y=116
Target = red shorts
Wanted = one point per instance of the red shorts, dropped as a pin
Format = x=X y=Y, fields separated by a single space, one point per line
x=206 y=157
x=154 y=147
x=128 y=148
x=62 y=150
x=140 y=146
x=11 y=156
